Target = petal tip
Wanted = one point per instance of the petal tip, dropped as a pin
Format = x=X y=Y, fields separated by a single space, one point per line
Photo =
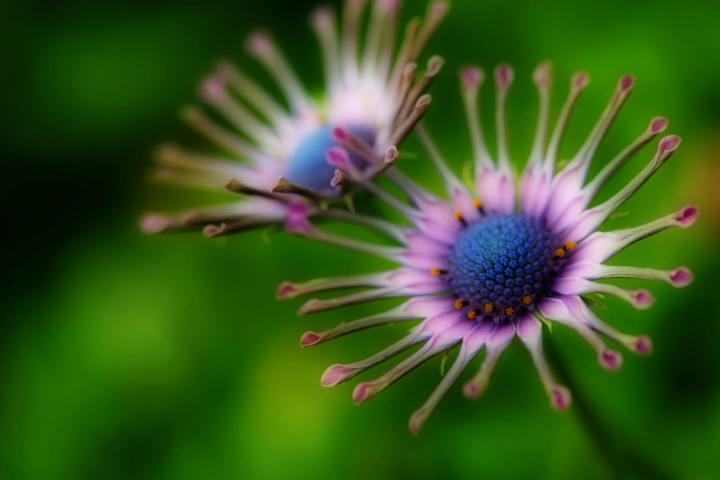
x=627 y=82
x=334 y=374
x=152 y=223
x=214 y=230
x=212 y=89
x=611 y=360
x=580 y=80
x=417 y=422
x=560 y=398
x=643 y=299
x=258 y=42
x=286 y=290
x=504 y=75
x=362 y=393
x=543 y=74
x=669 y=144
x=643 y=346
x=309 y=339
x=473 y=390
x=472 y=77
x=658 y=125
x=687 y=216
x=681 y=277
x=311 y=306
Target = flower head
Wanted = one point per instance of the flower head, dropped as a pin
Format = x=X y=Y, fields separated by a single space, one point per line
x=373 y=98
x=498 y=259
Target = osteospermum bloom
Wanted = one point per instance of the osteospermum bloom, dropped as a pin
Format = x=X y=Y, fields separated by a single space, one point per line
x=372 y=100
x=498 y=259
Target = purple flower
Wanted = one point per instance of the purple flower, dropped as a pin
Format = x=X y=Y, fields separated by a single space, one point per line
x=499 y=259
x=373 y=98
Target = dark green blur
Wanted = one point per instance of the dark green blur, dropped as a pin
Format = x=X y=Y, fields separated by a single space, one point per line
x=167 y=357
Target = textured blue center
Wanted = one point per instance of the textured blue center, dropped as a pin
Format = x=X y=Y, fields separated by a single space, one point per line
x=500 y=259
x=307 y=166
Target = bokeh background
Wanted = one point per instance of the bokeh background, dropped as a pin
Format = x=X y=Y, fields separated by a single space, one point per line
x=167 y=357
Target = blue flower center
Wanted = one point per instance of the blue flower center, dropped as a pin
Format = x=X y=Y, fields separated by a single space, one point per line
x=307 y=166
x=502 y=263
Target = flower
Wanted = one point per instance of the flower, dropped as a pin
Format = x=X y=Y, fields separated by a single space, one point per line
x=372 y=100
x=499 y=259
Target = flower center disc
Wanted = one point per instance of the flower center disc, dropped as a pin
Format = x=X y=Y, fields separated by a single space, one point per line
x=307 y=166
x=502 y=262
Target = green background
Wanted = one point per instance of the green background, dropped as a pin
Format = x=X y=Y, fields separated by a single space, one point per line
x=167 y=357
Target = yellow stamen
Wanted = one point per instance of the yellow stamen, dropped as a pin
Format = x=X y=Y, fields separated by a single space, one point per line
x=569 y=246
x=472 y=314
x=478 y=203
x=527 y=300
x=458 y=215
x=489 y=307
x=559 y=253
x=435 y=272
x=509 y=311
x=459 y=304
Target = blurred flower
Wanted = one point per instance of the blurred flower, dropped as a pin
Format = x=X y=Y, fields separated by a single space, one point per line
x=484 y=267
x=371 y=102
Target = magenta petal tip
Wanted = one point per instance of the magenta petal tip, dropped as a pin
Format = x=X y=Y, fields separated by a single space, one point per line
x=309 y=339
x=362 y=392
x=611 y=360
x=334 y=374
x=643 y=346
x=472 y=77
x=341 y=134
x=643 y=299
x=687 y=216
x=627 y=82
x=658 y=125
x=580 y=80
x=681 y=277
x=285 y=290
x=337 y=157
x=504 y=75
x=560 y=398
x=214 y=230
x=473 y=390
x=212 y=89
x=669 y=144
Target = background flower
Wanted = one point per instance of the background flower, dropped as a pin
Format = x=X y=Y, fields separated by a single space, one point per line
x=130 y=357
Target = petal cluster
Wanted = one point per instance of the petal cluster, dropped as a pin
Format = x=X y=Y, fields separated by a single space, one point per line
x=282 y=156
x=558 y=198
